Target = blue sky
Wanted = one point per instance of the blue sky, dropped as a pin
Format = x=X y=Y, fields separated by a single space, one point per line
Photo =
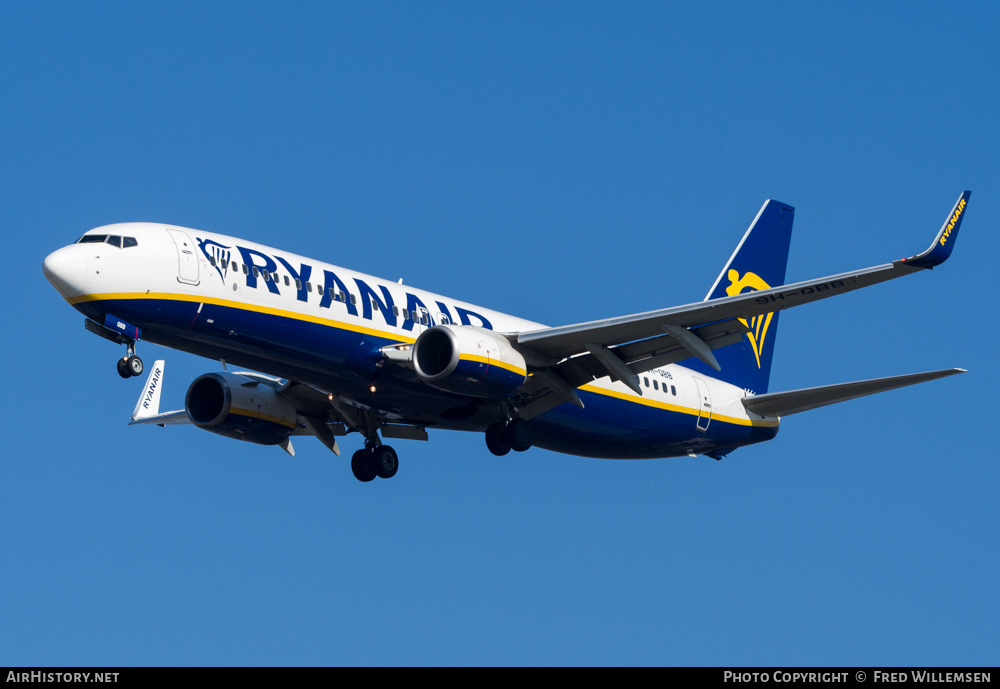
x=559 y=161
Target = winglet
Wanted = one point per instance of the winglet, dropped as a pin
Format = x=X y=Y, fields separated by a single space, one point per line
x=944 y=243
x=149 y=401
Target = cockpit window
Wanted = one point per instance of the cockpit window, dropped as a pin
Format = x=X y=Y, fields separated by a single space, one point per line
x=112 y=239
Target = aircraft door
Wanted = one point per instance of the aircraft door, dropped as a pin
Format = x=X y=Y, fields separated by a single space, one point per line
x=187 y=260
x=704 y=404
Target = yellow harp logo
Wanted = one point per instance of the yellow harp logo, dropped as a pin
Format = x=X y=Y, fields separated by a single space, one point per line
x=758 y=324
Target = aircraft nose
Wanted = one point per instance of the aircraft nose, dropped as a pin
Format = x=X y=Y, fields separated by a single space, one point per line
x=66 y=269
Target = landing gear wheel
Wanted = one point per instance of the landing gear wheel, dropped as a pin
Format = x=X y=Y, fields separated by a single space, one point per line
x=134 y=365
x=518 y=434
x=123 y=369
x=385 y=461
x=496 y=440
x=362 y=466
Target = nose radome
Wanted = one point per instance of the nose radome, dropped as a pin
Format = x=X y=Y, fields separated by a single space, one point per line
x=66 y=269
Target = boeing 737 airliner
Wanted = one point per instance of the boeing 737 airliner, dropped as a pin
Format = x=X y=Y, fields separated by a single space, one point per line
x=340 y=351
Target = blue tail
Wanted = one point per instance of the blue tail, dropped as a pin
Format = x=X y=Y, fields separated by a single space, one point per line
x=758 y=263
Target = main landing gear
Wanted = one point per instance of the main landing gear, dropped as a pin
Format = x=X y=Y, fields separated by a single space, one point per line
x=512 y=435
x=130 y=365
x=372 y=461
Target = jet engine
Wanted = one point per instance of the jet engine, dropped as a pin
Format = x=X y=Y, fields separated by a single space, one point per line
x=468 y=360
x=239 y=407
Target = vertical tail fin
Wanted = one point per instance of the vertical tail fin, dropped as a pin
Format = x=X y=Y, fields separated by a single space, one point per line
x=758 y=263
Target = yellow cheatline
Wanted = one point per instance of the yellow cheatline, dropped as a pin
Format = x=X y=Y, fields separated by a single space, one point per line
x=494 y=362
x=243 y=306
x=715 y=416
x=398 y=337
x=265 y=417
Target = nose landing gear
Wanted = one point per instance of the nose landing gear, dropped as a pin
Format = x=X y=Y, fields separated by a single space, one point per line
x=130 y=365
x=118 y=331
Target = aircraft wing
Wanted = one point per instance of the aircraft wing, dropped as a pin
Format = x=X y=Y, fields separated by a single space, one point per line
x=167 y=418
x=311 y=406
x=624 y=346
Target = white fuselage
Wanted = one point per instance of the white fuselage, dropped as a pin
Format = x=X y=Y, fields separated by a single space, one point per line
x=323 y=325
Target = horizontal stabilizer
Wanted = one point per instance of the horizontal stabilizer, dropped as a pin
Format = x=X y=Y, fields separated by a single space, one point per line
x=794 y=401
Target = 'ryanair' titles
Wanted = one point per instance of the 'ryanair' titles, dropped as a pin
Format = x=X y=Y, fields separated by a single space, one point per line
x=951 y=223
x=151 y=390
x=257 y=266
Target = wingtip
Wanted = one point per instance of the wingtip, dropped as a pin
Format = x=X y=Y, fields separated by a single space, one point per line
x=944 y=242
x=148 y=404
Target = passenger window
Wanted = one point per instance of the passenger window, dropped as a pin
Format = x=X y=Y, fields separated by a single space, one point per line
x=646 y=381
x=246 y=269
x=354 y=299
x=298 y=284
x=286 y=281
x=211 y=259
x=236 y=266
x=374 y=304
x=395 y=311
x=656 y=386
x=256 y=273
x=267 y=276
x=309 y=287
x=673 y=391
x=129 y=241
x=333 y=294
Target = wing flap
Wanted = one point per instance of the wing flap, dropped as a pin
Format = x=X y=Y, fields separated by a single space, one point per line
x=795 y=401
x=638 y=357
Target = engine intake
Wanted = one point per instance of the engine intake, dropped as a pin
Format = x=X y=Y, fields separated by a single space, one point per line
x=240 y=408
x=468 y=360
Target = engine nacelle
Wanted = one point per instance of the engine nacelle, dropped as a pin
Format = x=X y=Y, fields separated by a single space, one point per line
x=238 y=407
x=468 y=360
